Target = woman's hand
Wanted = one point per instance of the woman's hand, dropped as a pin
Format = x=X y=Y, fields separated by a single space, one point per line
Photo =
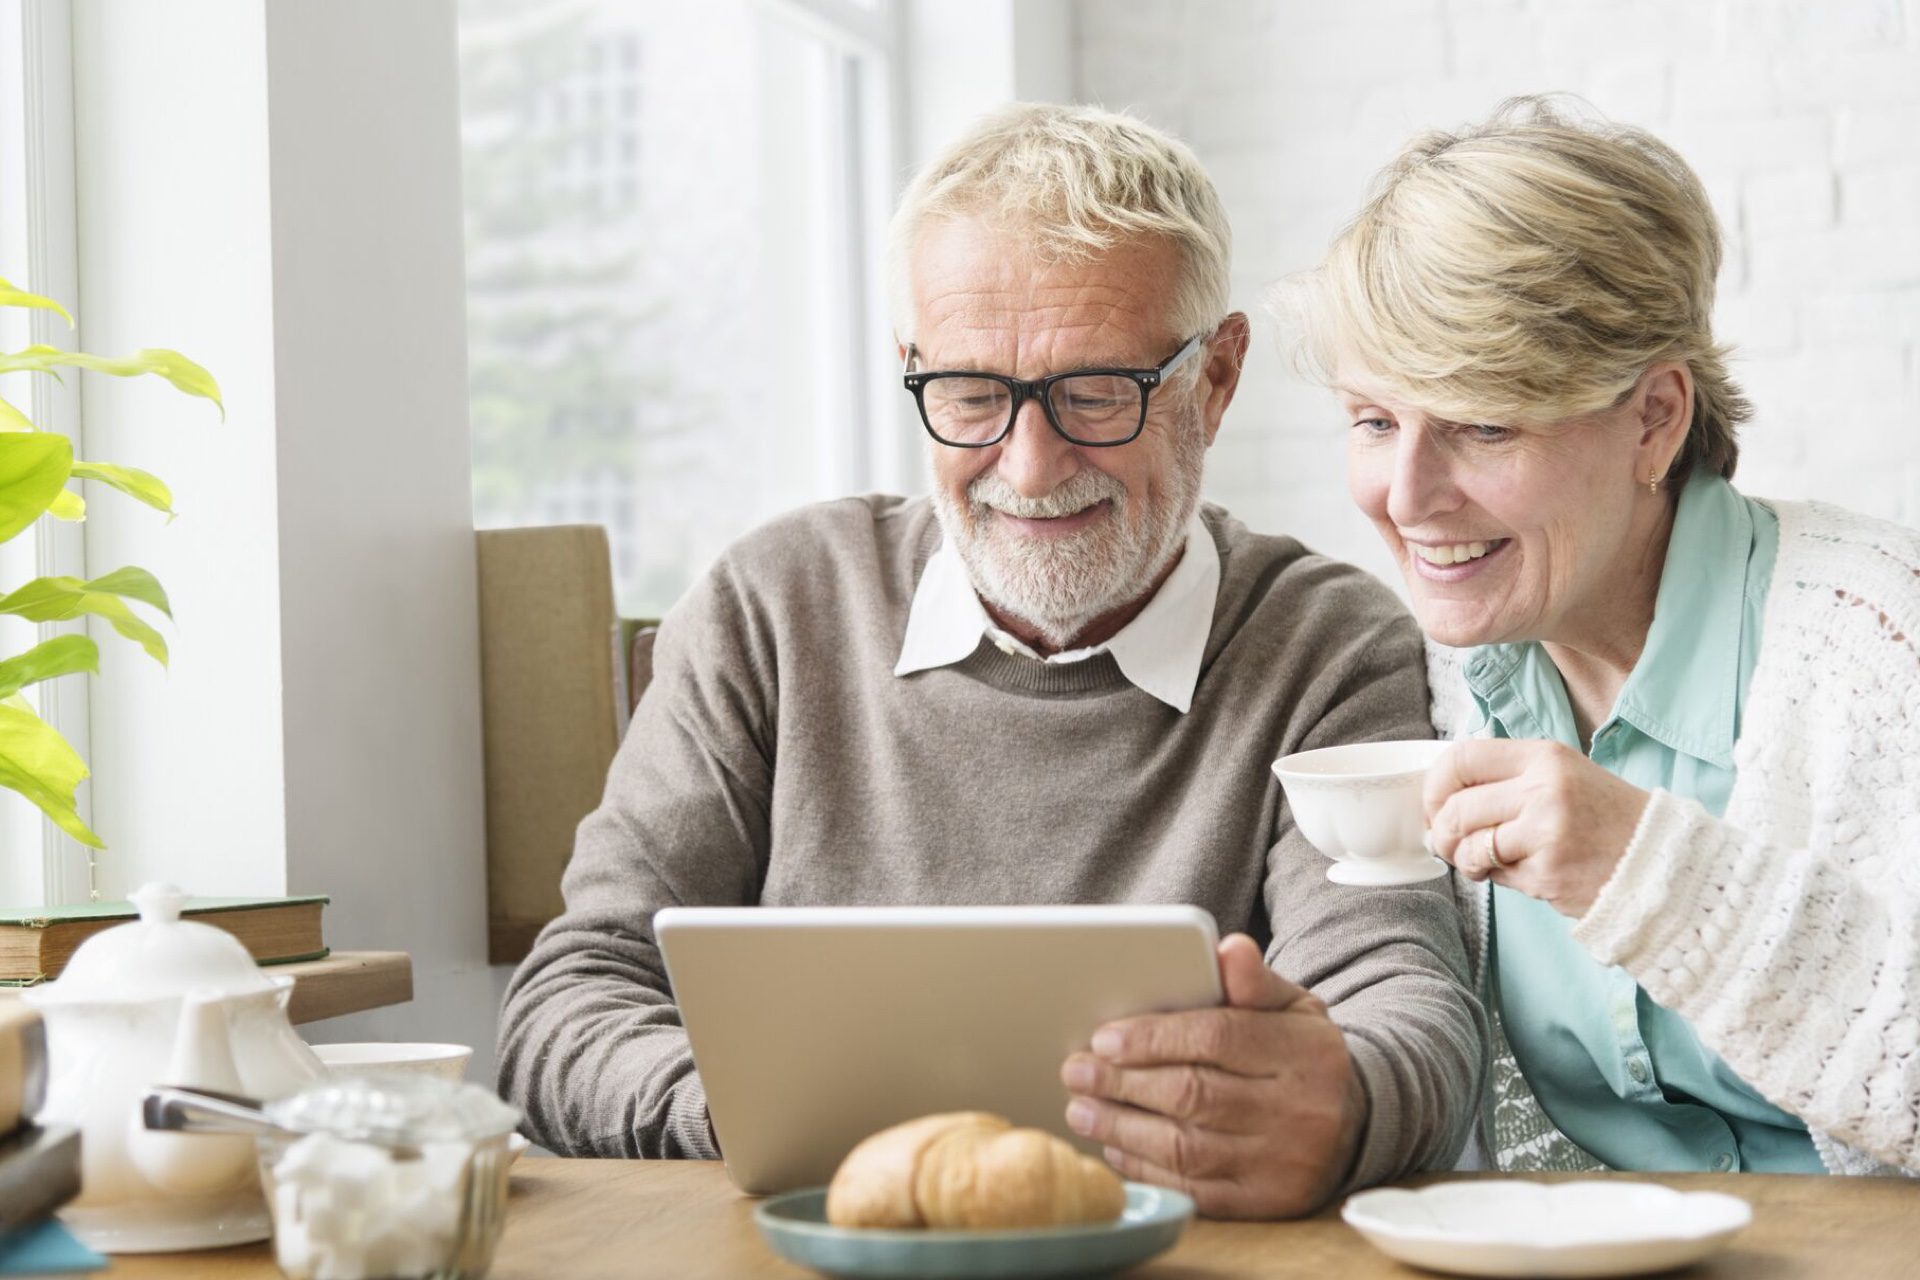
x=1535 y=816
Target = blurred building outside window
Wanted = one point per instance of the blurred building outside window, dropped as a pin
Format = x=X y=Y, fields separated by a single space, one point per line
x=674 y=227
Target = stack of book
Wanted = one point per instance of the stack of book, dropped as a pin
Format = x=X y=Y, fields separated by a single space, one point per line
x=35 y=945
x=39 y=1165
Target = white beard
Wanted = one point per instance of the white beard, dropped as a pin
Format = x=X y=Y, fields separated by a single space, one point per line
x=1059 y=585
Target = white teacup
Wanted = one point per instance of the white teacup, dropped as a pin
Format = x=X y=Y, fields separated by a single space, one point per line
x=1361 y=806
x=448 y=1060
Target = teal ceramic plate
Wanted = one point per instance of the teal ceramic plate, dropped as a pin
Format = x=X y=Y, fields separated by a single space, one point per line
x=796 y=1227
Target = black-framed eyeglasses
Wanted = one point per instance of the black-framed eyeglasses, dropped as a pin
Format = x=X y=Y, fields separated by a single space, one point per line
x=1098 y=408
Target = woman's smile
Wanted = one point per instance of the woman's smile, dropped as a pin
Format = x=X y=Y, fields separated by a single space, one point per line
x=1451 y=562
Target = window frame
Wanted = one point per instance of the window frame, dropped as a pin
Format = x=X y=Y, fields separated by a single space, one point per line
x=869 y=105
x=40 y=38
x=862 y=434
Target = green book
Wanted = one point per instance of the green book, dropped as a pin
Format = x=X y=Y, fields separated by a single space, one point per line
x=36 y=944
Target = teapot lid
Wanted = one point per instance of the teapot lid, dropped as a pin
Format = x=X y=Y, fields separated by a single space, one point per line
x=155 y=956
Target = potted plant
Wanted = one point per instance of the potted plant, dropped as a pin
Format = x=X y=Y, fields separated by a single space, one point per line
x=35 y=469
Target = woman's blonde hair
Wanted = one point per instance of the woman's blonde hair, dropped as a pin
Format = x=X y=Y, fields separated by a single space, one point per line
x=1076 y=181
x=1527 y=269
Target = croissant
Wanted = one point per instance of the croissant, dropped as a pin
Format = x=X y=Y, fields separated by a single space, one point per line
x=970 y=1169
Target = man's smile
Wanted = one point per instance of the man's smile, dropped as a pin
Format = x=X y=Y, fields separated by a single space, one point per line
x=1054 y=526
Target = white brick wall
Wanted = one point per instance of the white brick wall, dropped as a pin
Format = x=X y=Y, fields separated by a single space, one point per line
x=1802 y=118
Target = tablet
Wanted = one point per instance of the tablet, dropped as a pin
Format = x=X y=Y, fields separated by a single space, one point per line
x=813 y=1027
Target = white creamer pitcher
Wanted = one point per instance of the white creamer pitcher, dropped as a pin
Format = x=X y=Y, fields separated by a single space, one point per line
x=164 y=1001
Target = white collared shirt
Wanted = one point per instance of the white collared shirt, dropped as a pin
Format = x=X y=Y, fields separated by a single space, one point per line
x=1159 y=651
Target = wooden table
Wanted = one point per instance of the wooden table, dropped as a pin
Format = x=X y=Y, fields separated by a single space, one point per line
x=617 y=1220
x=344 y=982
x=347 y=982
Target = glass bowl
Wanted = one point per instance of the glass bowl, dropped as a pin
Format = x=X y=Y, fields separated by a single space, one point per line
x=387 y=1177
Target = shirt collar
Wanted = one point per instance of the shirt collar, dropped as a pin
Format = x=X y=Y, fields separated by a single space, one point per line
x=1159 y=651
x=1684 y=689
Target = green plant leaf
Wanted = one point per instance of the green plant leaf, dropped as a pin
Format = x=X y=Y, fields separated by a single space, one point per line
x=12 y=297
x=37 y=762
x=67 y=505
x=33 y=473
x=60 y=656
x=148 y=488
x=34 y=359
x=171 y=365
x=134 y=583
x=57 y=599
x=11 y=419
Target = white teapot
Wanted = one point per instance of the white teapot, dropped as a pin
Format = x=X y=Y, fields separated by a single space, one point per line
x=164 y=1001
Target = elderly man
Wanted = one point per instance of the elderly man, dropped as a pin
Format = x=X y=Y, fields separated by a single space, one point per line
x=1060 y=680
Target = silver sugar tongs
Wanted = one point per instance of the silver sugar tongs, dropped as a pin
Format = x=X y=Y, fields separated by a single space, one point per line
x=185 y=1110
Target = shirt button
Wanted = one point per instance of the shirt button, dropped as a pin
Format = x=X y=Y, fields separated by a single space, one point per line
x=1638 y=1070
x=1723 y=1162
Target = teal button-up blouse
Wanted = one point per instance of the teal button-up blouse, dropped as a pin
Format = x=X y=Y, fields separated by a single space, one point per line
x=1625 y=1078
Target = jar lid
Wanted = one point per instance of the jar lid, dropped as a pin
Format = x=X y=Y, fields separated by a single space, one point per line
x=395 y=1108
x=155 y=956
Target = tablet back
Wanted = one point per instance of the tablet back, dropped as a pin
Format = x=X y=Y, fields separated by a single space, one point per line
x=814 y=1027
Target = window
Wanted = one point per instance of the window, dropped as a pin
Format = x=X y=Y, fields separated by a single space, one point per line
x=675 y=218
x=40 y=864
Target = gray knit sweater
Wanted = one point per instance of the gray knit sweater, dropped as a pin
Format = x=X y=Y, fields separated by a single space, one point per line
x=777 y=759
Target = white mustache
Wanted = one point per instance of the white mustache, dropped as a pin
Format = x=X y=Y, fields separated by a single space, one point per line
x=1074 y=495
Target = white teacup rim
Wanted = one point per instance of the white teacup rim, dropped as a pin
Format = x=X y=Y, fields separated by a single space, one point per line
x=344 y=1053
x=1322 y=765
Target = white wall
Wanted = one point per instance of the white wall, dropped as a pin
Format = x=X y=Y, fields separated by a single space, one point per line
x=959 y=60
x=379 y=608
x=274 y=188
x=1802 y=118
x=966 y=57
x=175 y=251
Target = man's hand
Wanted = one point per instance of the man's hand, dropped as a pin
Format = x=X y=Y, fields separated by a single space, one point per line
x=1535 y=816
x=1254 y=1109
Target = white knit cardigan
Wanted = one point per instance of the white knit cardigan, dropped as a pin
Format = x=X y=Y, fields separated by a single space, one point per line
x=1787 y=933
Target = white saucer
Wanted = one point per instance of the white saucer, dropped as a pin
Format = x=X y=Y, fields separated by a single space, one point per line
x=1399 y=871
x=1504 y=1227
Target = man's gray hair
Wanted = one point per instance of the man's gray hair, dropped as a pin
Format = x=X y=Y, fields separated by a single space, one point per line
x=1076 y=181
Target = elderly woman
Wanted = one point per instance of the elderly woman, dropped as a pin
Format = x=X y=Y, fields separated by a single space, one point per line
x=1686 y=820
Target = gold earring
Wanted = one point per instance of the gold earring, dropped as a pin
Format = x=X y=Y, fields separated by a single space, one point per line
x=1653 y=482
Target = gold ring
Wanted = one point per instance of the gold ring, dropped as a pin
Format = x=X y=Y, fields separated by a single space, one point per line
x=1493 y=850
